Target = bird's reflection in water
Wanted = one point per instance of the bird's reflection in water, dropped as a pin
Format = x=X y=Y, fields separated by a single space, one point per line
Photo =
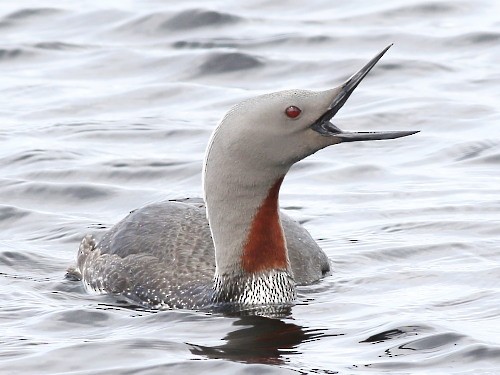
x=259 y=339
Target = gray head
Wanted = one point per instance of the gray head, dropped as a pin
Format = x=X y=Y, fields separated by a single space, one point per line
x=281 y=128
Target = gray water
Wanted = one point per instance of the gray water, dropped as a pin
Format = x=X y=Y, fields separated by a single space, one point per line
x=107 y=106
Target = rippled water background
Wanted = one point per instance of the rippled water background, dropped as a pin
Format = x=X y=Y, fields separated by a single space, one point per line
x=107 y=106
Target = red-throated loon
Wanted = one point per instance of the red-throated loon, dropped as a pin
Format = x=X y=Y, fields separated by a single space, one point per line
x=239 y=250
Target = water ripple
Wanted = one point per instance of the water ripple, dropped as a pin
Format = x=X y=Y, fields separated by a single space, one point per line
x=107 y=107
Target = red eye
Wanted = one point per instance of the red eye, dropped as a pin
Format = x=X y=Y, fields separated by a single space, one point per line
x=293 y=112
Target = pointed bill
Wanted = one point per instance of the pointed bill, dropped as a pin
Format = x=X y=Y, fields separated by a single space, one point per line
x=325 y=127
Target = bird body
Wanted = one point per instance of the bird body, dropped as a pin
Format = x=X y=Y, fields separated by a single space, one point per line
x=177 y=270
x=239 y=250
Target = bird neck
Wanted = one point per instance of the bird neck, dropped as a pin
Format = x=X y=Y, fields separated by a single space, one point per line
x=265 y=248
x=252 y=265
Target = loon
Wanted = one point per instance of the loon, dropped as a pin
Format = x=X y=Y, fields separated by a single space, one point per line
x=235 y=247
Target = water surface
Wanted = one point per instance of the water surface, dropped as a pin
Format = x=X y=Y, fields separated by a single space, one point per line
x=108 y=106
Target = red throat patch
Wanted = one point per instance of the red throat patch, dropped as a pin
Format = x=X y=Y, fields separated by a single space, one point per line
x=265 y=246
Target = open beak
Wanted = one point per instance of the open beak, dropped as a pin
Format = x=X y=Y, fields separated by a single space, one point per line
x=323 y=125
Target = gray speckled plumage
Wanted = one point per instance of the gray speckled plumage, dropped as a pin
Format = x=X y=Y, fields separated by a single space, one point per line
x=162 y=255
